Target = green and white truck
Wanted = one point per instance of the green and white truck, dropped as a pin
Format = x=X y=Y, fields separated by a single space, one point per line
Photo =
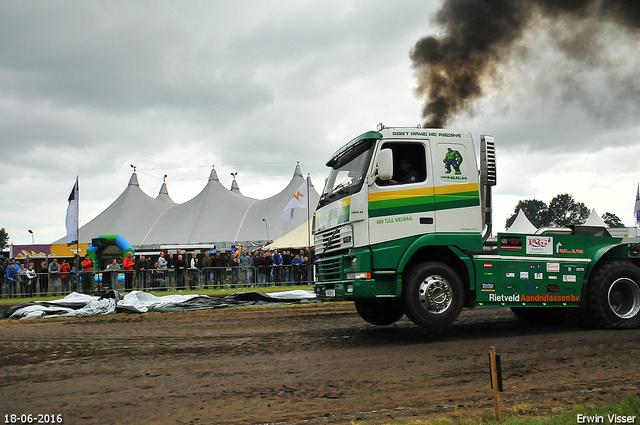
x=402 y=228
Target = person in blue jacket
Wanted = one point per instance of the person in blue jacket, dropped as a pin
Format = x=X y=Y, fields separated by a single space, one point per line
x=276 y=260
x=297 y=263
x=12 y=279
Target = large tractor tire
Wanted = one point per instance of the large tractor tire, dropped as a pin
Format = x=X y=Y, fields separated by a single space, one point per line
x=613 y=295
x=379 y=312
x=433 y=295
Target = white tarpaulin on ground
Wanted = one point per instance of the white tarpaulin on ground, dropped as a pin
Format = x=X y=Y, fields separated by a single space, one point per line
x=73 y=305
x=80 y=305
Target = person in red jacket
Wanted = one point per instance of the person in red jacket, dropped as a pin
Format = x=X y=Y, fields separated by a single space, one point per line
x=65 y=268
x=87 y=274
x=127 y=265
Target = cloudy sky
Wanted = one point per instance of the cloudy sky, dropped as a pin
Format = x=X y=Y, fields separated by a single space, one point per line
x=88 y=88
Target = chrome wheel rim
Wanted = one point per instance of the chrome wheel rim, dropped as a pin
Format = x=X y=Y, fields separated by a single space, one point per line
x=435 y=294
x=624 y=298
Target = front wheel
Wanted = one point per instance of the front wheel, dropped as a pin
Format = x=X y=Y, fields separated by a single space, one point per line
x=613 y=297
x=433 y=295
x=379 y=312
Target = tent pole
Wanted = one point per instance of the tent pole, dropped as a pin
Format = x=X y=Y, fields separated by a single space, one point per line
x=77 y=222
x=309 y=230
x=308 y=213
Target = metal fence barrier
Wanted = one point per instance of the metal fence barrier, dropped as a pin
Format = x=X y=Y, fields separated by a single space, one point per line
x=54 y=284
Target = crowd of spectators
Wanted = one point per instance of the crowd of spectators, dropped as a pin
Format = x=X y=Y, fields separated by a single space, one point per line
x=28 y=279
x=211 y=270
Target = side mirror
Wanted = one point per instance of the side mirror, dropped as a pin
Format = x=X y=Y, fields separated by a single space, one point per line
x=385 y=164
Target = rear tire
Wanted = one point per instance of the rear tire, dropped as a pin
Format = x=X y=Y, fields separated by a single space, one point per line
x=433 y=295
x=613 y=295
x=379 y=312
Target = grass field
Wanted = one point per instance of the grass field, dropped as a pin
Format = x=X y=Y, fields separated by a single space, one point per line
x=626 y=412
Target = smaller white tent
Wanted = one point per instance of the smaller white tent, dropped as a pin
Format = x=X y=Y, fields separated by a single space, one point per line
x=521 y=224
x=595 y=220
x=297 y=238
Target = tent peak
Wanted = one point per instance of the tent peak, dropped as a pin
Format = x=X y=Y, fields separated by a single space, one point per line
x=297 y=171
x=595 y=220
x=163 y=189
x=213 y=175
x=234 y=186
x=521 y=224
x=133 y=181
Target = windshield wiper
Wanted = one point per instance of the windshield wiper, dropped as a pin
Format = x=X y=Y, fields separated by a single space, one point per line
x=341 y=186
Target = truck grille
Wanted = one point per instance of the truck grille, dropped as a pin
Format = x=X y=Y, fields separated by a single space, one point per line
x=329 y=268
x=334 y=239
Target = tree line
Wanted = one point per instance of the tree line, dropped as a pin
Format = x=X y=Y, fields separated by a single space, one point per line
x=562 y=211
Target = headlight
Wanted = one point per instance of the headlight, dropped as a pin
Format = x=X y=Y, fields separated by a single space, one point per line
x=360 y=275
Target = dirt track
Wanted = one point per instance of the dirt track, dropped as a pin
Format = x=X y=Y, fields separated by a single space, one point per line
x=295 y=363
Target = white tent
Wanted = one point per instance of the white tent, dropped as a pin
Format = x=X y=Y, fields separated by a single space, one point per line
x=216 y=216
x=297 y=238
x=521 y=224
x=133 y=212
x=595 y=220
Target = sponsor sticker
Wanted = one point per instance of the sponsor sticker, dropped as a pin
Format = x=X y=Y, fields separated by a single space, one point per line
x=524 y=275
x=511 y=275
x=569 y=278
x=541 y=245
x=538 y=276
x=553 y=267
x=513 y=243
x=488 y=287
x=553 y=288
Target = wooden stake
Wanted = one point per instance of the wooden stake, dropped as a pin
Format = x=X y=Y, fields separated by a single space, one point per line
x=494 y=382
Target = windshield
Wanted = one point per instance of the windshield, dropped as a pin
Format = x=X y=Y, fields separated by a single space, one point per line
x=347 y=173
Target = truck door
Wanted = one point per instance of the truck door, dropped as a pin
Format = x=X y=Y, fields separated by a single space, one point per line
x=456 y=189
x=403 y=206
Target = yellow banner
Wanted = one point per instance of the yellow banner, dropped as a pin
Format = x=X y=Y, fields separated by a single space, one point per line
x=62 y=250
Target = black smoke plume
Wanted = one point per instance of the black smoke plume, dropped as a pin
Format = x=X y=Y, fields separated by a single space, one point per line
x=479 y=34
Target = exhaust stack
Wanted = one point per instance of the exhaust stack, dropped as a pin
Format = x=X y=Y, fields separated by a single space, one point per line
x=487 y=179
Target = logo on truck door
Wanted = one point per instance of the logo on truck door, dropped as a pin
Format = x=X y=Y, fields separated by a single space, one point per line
x=452 y=161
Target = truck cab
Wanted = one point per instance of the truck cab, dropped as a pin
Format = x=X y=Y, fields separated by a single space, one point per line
x=391 y=193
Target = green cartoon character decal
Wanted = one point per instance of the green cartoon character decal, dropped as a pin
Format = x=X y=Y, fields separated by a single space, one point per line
x=452 y=159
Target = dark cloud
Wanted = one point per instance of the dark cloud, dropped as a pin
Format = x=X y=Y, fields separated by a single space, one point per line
x=480 y=35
